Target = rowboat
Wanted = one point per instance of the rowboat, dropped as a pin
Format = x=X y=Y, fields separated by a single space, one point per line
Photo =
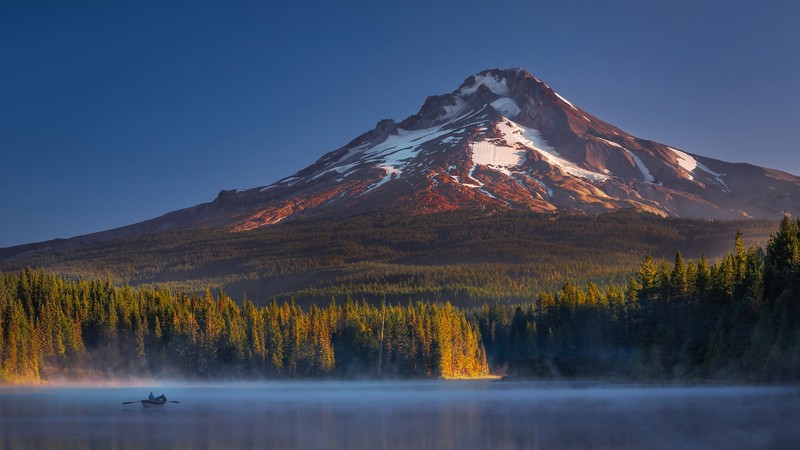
x=152 y=402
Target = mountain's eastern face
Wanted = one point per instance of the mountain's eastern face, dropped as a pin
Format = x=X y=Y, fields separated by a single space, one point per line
x=503 y=139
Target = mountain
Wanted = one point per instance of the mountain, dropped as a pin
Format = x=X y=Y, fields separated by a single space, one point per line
x=503 y=140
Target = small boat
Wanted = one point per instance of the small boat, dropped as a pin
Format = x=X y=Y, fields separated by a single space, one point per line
x=152 y=402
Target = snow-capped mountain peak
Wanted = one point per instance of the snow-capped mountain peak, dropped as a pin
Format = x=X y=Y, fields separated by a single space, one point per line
x=505 y=139
x=502 y=140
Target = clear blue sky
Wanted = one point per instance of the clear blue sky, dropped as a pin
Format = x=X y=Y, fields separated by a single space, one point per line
x=115 y=112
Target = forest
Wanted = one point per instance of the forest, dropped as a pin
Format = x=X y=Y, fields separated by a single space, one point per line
x=735 y=318
x=53 y=327
x=467 y=257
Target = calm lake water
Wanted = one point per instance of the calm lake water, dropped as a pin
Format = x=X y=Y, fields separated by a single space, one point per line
x=412 y=415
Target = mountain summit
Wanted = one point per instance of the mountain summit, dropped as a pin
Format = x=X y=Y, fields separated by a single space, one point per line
x=503 y=139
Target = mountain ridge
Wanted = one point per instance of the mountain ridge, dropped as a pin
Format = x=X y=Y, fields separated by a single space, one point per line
x=566 y=159
x=502 y=139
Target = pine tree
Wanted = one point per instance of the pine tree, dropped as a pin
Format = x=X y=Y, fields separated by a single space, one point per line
x=782 y=249
x=678 y=281
x=703 y=276
x=647 y=278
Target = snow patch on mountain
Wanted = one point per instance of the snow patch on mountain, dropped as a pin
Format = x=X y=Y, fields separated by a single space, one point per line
x=636 y=160
x=391 y=173
x=454 y=110
x=398 y=150
x=451 y=140
x=566 y=101
x=518 y=179
x=642 y=168
x=529 y=138
x=338 y=169
x=457 y=112
x=506 y=106
x=498 y=86
x=289 y=181
x=478 y=183
x=394 y=154
x=688 y=163
x=611 y=143
x=543 y=185
x=490 y=153
x=717 y=176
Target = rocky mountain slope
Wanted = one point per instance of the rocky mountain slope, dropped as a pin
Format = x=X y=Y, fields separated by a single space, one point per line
x=504 y=139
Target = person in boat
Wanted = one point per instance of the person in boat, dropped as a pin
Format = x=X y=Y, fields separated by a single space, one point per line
x=161 y=398
x=151 y=396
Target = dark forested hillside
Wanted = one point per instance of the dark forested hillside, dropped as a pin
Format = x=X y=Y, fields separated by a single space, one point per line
x=467 y=257
x=735 y=318
x=738 y=318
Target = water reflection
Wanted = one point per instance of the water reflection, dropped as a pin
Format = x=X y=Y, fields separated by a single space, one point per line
x=418 y=415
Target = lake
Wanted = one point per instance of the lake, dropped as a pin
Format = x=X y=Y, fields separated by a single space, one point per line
x=403 y=415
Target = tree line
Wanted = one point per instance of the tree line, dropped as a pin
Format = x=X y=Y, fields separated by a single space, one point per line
x=54 y=327
x=738 y=318
x=466 y=257
x=734 y=318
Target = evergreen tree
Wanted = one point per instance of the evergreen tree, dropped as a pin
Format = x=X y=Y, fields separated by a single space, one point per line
x=678 y=279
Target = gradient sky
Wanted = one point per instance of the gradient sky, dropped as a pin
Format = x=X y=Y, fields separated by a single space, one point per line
x=115 y=112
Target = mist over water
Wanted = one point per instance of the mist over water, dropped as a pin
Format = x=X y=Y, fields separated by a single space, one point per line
x=414 y=415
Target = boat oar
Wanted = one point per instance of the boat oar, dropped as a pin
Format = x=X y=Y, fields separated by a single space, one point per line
x=138 y=401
